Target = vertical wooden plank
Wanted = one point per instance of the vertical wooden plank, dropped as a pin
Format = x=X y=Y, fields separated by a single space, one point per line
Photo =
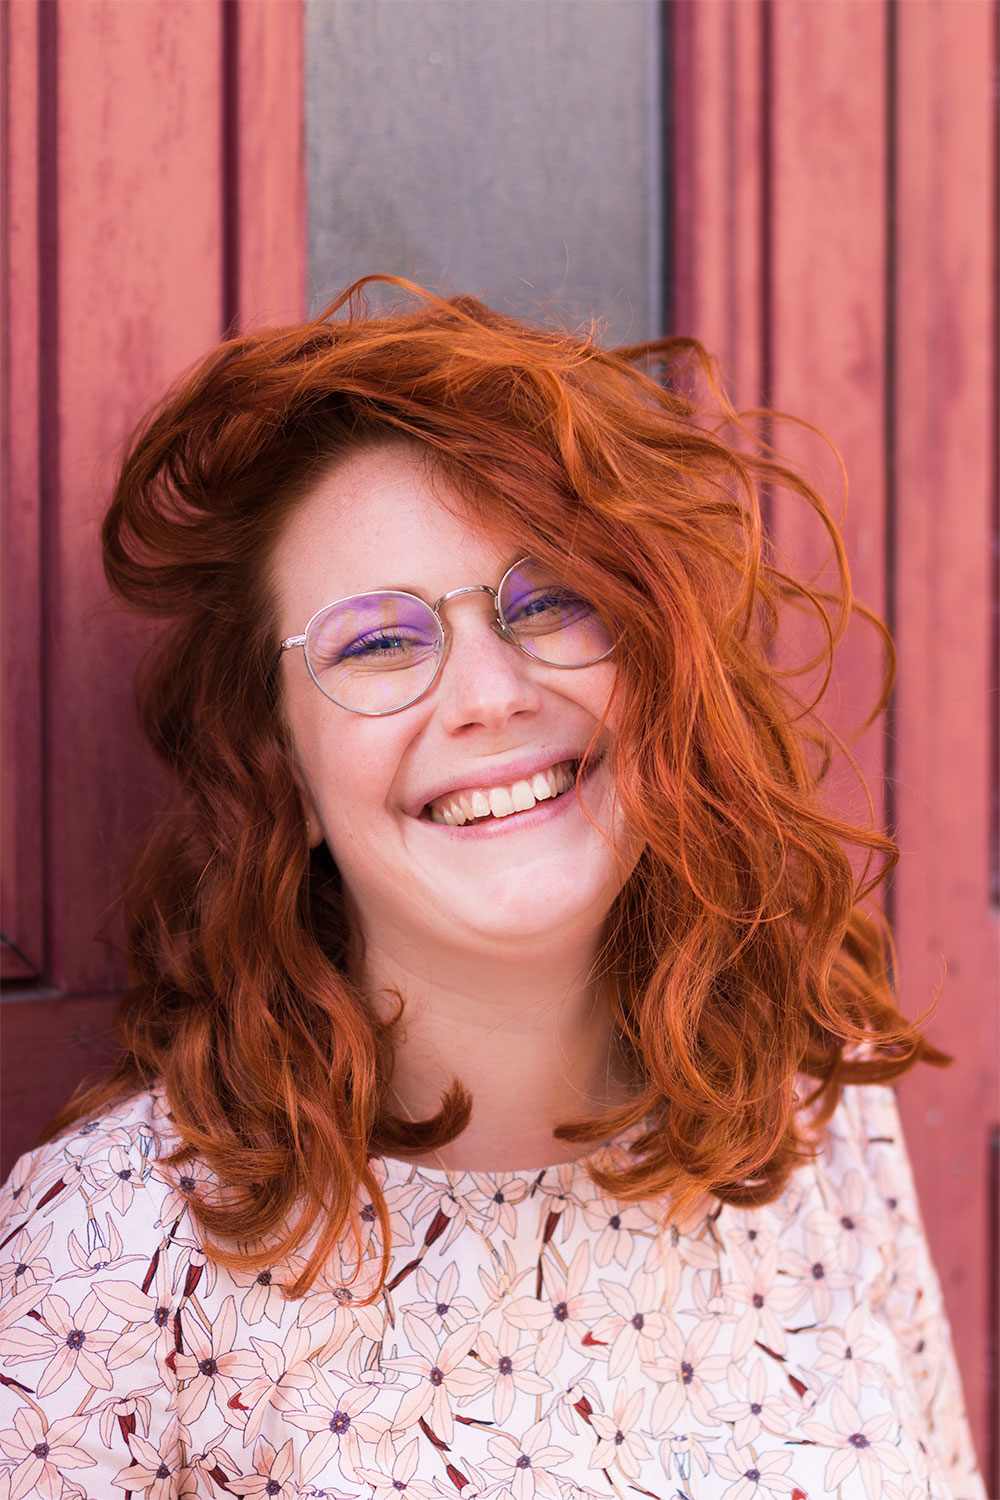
x=744 y=347
x=21 y=809
x=49 y=1046
x=270 y=162
x=718 y=179
x=946 y=932
x=827 y=92
x=140 y=183
x=139 y=296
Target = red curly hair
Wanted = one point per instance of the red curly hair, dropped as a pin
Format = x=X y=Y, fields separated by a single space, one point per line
x=737 y=954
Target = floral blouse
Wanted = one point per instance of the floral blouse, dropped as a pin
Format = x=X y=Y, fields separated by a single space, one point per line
x=533 y=1338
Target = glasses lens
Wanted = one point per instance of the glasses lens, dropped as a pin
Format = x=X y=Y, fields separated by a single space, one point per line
x=374 y=653
x=550 y=619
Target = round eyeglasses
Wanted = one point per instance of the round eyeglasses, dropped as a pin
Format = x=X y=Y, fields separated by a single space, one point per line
x=378 y=652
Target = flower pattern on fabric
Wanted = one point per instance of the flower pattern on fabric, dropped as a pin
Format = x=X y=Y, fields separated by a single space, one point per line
x=534 y=1338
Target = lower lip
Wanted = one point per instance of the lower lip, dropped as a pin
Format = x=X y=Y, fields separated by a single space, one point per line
x=542 y=812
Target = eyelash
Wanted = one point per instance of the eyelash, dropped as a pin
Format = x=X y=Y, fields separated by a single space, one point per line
x=370 y=645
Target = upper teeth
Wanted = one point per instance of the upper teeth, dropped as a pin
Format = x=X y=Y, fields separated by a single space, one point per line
x=500 y=801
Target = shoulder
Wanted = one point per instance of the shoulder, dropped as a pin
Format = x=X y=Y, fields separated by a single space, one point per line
x=96 y=1246
x=864 y=1130
x=852 y=1212
x=861 y=1169
x=98 y=1202
x=848 y=1208
x=99 y=1166
x=868 y=1115
x=865 y=1159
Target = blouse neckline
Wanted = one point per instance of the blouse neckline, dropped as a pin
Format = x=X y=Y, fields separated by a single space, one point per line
x=398 y=1169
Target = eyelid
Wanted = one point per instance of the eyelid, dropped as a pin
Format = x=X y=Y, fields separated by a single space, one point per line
x=363 y=594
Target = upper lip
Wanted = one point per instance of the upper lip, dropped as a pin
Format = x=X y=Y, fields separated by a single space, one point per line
x=500 y=773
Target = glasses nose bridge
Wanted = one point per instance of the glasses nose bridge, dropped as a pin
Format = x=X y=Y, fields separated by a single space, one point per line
x=470 y=588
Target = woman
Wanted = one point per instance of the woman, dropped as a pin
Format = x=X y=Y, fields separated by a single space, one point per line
x=502 y=1104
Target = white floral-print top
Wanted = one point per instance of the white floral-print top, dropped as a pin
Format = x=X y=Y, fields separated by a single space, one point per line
x=534 y=1338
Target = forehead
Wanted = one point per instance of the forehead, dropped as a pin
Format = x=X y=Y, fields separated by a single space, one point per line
x=381 y=519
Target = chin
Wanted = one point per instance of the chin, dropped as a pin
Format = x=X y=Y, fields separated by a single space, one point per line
x=552 y=913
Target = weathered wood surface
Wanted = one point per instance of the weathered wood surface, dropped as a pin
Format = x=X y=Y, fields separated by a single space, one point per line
x=836 y=245
x=136 y=295
x=833 y=238
x=155 y=196
x=22 y=641
x=944 y=416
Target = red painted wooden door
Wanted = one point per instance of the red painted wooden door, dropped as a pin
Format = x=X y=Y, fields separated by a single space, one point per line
x=833 y=241
x=154 y=198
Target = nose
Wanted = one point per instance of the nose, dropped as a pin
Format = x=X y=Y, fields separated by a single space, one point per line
x=485 y=680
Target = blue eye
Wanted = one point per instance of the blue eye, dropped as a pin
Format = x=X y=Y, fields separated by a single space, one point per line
x=380 y=651
x=382 y=648
x=554 y=608
x=374 y=645
x=539 y=605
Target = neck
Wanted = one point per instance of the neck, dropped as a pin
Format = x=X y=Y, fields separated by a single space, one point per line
x=532 y=1041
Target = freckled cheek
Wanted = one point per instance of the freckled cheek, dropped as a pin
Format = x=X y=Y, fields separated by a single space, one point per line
x=602 y=704
x=350 y=773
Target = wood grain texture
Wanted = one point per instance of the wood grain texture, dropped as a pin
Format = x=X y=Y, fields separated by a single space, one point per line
x=139 y=296
x=872 y=288
x=943 y=419
x=51 y=1045
x=130 y=149
x=270 y=162
x=22 y=807
x=718 y=172
x=827 y=98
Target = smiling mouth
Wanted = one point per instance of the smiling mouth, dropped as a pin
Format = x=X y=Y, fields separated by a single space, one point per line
x=458 y=809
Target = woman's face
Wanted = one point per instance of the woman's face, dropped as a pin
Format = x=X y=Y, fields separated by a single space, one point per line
x=494 y=716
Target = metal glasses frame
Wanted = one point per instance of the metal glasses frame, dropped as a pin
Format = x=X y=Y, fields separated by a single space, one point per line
x=503 y=630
